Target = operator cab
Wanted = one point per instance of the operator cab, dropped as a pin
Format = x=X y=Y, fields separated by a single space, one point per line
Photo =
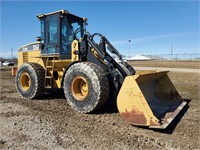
x=58 y=32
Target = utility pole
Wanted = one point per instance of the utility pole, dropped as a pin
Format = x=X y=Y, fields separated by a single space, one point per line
x=129 y=49
x=185 y=55
x=12 y=54
x=171 y=51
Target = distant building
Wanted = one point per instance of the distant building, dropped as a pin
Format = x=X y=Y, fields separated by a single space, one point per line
x=139 y=57
x=144 y=57
x=153 y=57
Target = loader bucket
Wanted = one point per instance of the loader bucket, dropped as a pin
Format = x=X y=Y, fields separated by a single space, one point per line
x=149 y=100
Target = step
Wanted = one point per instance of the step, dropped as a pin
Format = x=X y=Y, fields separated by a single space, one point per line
x=48 y=87
x=49 y=67
x=48 y=77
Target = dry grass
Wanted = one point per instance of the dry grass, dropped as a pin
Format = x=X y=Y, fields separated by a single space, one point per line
x=169 y=64
x=188 y=84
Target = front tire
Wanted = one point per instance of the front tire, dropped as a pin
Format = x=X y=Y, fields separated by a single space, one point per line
x=86 y=87
x=29 y=80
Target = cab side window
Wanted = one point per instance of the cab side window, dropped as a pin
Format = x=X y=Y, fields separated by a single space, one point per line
x=66 y=37
x=42 y=30
x=53 y=29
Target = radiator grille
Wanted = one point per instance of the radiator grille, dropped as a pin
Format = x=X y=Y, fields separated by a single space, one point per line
x=25 y=57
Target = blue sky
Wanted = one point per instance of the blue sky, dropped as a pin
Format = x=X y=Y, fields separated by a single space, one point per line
x=153 y=27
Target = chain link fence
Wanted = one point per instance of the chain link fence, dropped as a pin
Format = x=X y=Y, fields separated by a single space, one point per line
x=177 y=57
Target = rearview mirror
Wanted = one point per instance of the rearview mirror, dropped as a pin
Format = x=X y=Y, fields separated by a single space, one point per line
x=38 y=38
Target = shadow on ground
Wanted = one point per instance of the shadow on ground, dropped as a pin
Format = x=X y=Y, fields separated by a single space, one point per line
x=177 y=119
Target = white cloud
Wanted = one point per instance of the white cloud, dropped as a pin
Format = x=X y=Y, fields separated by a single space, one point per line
x=150 y=38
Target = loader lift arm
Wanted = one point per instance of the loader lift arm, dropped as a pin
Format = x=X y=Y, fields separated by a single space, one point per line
x=117 y=71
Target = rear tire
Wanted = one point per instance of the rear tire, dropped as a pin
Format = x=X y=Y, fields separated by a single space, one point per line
x=86 y=87
x=29 y=80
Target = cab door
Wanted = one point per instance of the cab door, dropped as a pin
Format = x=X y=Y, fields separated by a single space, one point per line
x=67 y=38
x=51 y=43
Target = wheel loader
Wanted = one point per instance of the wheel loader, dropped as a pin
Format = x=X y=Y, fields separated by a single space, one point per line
x=67 y=56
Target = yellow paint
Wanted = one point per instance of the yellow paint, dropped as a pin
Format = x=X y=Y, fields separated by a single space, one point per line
x=97 y=55
x=75 y=47
x=80 y=88
x=130 y=96
x=34 y=56
x=30 y=56
x=150 y=94
x=25 y=81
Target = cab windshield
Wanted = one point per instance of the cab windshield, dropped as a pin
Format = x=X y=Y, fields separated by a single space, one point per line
x=69 y=24
x=75 y=23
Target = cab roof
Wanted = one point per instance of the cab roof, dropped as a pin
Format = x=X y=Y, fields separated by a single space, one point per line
x=64 y=12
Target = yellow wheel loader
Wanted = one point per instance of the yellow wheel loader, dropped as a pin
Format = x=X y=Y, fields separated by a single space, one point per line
x=67 y=56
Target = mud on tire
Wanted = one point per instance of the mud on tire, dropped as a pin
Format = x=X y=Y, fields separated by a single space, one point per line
x=30 y=80
x=94 y=81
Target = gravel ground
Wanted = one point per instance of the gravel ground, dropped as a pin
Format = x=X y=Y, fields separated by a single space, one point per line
x=50 y=123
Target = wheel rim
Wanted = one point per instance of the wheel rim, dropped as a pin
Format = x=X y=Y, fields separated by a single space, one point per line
x=25 y=81
x=80 y=88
